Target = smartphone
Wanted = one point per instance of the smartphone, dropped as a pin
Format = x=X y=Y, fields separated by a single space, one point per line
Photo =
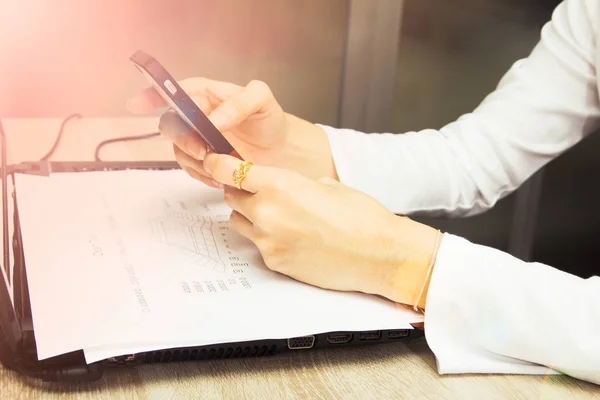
x=181 y=103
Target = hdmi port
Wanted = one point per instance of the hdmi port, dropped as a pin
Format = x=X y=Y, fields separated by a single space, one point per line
x=339 y=338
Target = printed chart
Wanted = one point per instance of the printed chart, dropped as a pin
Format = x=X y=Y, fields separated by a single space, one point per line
x=190 y=233
x=204 y=236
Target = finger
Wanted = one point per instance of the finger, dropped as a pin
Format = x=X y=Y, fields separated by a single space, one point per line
x=242 y=225
x=222 y=166
x=145 y=101
x=256 y=97
x=175 y=129
x=240 y=201
x=149 y=99
x=207 y=181
x=203 y=104
x=208 y=88
x=185 y=160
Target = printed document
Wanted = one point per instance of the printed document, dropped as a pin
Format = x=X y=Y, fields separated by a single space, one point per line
x=127 y=261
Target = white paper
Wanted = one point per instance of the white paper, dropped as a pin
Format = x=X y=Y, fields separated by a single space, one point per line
x=120 y=262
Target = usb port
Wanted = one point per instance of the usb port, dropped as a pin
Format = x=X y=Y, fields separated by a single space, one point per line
x=370 y=335
x=398 y=334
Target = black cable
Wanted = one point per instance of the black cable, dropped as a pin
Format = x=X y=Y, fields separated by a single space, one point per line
x=59 y=136
x=121 y=139
x=99 y=146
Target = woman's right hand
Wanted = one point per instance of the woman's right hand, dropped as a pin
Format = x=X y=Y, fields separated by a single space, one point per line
x=249 y=117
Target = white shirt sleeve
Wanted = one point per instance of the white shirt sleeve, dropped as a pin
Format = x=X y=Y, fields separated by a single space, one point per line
x=488 y=312
x=543 y=106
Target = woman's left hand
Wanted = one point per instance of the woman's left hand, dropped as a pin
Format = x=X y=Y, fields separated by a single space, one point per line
x=324 y=233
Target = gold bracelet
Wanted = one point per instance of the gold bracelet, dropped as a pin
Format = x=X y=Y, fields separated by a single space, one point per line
x=438 y=240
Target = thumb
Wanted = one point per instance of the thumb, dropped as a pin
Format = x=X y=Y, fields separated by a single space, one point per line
x=253 y=99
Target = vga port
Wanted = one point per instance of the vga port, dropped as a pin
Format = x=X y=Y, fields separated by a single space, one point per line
x=302 y=342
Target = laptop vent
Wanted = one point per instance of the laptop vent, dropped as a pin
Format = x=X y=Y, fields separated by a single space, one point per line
x=210 y=353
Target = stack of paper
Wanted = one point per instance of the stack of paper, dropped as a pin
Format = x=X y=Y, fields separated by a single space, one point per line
x=128 y=261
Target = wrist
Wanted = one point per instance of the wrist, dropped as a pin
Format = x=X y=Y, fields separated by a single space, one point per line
x=420 y=301
x=407 y=279
x=307 y=149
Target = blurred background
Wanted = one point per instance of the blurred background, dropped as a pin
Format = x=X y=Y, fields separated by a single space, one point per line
x=64 y=56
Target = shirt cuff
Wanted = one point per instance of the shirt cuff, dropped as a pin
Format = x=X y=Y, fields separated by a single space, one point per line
x=341 y=148
x=460 y=285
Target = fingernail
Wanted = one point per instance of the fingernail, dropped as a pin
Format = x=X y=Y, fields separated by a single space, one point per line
x=196 y=150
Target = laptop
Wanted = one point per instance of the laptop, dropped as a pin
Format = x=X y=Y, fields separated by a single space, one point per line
x=17 y=336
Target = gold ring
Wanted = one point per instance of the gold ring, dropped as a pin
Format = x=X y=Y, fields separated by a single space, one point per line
x=240 y=173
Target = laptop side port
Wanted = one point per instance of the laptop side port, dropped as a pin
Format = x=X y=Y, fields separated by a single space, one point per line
x=398 y=334
x=122 y=360
x=369 y=335
x=339 y=338
x=302 y=342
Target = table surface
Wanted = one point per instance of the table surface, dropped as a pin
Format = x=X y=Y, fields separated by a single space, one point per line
x=395 y=370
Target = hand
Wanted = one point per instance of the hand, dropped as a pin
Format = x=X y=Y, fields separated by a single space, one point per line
x=324 y=233
x=253 y=122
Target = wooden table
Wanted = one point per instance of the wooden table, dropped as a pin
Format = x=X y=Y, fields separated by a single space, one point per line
x=394 y=371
